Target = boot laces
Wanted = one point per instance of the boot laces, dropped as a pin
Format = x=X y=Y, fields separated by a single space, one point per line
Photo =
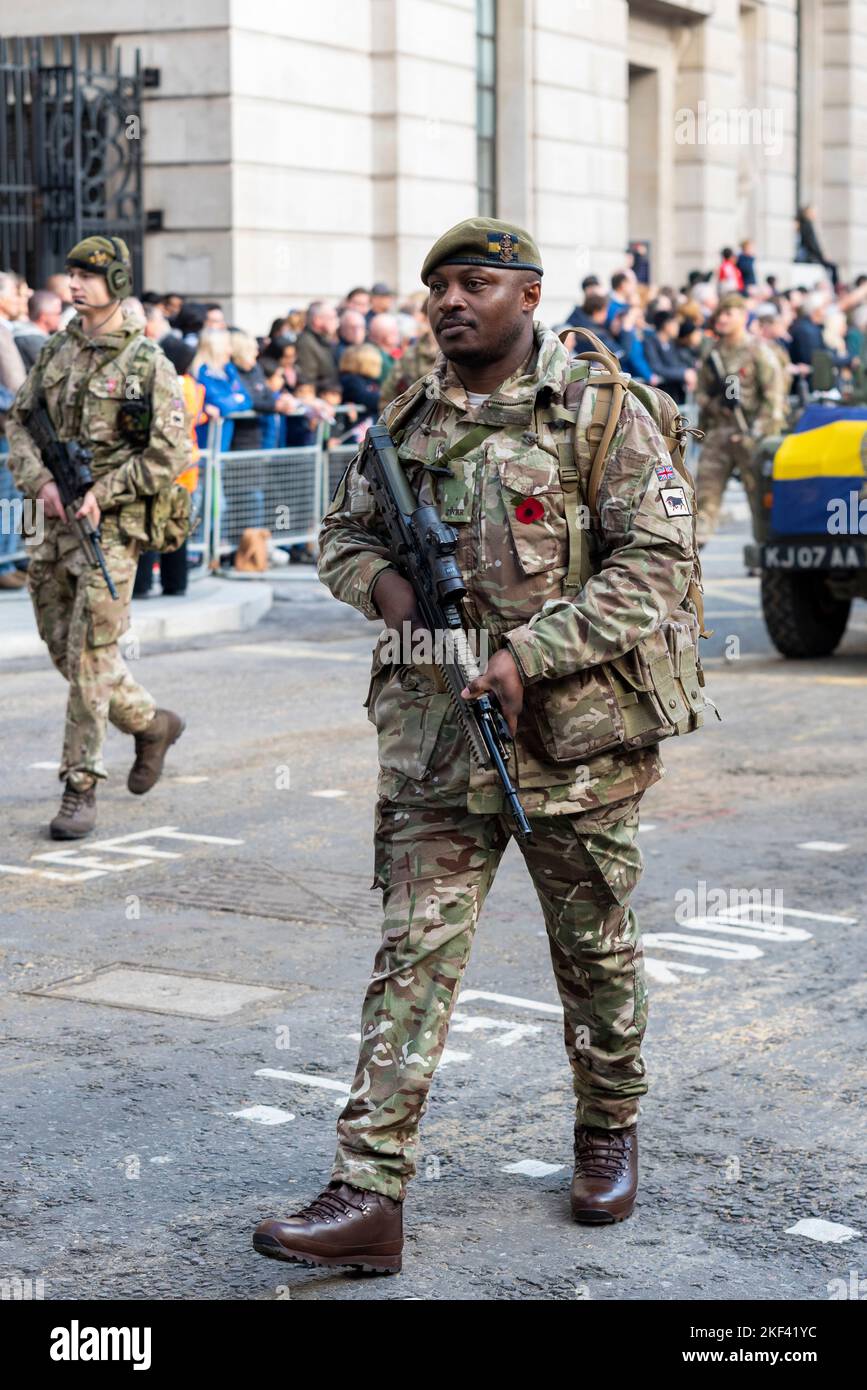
x=601 y=1153
x=329 y=1205
x=71 y=800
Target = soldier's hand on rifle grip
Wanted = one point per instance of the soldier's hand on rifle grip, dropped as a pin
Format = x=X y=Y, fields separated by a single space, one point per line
x=50 y=499
x=90 y=509
x=501 y=678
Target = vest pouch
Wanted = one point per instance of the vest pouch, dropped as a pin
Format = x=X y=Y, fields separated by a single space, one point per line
x=132 y=521
x=169 y=518
x=577 y=716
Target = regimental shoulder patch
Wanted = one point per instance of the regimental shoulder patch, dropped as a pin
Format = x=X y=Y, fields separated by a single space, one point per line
x=664 y=472
x=675 y=501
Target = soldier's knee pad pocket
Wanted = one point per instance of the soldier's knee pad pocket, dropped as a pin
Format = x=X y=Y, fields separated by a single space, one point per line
x=107 y=617
x=610 y=845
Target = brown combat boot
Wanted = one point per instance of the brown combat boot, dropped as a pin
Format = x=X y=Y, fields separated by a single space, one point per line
x=342 y=1226
x=606 y=1174
x=151 y=746
x=77 y=815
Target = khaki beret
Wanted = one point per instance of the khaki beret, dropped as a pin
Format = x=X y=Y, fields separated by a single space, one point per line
x=484 y=241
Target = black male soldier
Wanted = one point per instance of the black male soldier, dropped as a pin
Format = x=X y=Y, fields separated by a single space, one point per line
x=87 y=375
x=441 y=829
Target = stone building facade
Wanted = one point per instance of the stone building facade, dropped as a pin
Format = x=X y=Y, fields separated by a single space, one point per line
x=295 y=149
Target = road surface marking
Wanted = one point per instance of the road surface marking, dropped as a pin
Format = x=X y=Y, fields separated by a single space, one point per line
x=330 y=791
x=264 y=1115
x=325 y=1083
x=533 y=1168
x=467 y=995
x=643 y=829
x=703 y=946
x=741 y=910
x=511 y=1032
x=824 y=846
x=667 y=973
x=189 y=781
x=817 y=1229
x=737 y=926
x=47 y=767
x=138 y=855
x=301 y=651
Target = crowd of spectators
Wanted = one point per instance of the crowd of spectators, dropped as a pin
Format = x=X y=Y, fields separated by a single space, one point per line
x=335 y=365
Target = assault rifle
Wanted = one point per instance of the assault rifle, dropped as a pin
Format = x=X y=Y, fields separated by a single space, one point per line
x=69 y=465
x=423 y=549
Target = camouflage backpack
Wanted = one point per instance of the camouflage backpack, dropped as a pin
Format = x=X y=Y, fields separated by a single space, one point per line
x=655 y=690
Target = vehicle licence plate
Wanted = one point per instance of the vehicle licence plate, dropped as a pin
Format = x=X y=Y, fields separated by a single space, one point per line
x=824 y=555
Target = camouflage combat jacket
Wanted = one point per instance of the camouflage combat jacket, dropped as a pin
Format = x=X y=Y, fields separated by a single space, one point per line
x=514 y=559
x=761 y=387
x=85 y=381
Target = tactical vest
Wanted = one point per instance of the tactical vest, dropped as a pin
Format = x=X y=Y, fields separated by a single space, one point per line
x=161 y=521
x=655 y=690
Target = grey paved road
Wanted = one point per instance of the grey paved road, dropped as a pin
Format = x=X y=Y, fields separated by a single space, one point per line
x=141 y=1147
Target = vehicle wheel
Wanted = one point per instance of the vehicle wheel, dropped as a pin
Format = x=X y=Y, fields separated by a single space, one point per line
x=803 y=617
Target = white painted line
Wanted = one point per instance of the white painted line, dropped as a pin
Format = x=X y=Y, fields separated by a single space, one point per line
x=451 y=1054
x=533 y=1168
x=742 y=909
x=47 y=767
x=667 y=973
x=515 y=999
x=330 y=791
x=16 y=869
x=643 y=829
x=162 y=1158
x=757 y=929
x=704 y=946
x=511 y=1032
x=190 y=781
x=325 y=1083
x=816 y=1228
x=89 y=861
x=302 y=651
x=264 y=1115
x=824 y=846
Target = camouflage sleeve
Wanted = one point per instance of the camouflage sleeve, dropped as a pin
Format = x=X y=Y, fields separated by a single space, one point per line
x=25 y=460
x=772 y=411
x=353 y=549
x=705 y=394
x=169 y=449
x=647 y=539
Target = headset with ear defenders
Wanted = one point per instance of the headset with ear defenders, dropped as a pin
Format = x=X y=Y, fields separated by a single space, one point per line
x=118 y=275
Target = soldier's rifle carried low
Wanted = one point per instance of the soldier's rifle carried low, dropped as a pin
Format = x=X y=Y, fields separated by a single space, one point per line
x=729 y=401
x=423 y=549
x=69 y=462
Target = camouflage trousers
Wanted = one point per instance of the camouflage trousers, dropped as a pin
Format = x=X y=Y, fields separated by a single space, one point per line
x=718 y=460
x=80 y=623
x=435 y=866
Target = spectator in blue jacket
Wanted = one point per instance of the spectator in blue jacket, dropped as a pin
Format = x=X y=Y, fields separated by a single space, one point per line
x=664 y=358
x=807 y=336
x=213 y=367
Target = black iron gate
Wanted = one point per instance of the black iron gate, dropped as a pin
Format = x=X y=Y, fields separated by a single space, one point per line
x=70 y=152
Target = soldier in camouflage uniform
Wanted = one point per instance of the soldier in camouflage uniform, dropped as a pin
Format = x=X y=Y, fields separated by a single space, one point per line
x=754 y=388
x=441 y=828
x=85 y=375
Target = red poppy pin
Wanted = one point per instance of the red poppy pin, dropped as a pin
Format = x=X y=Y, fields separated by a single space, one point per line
x=530 y=509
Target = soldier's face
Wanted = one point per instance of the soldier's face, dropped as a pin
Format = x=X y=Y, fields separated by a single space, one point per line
x=478 y=313
x=88 y=290
x=730 y=322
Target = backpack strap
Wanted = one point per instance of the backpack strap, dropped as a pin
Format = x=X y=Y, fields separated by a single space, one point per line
x=611 y=386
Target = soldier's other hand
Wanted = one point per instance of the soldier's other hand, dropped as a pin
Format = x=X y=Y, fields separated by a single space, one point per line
x=395 y=599
x=89 y=509
x=500 y=678
x=50 y=499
